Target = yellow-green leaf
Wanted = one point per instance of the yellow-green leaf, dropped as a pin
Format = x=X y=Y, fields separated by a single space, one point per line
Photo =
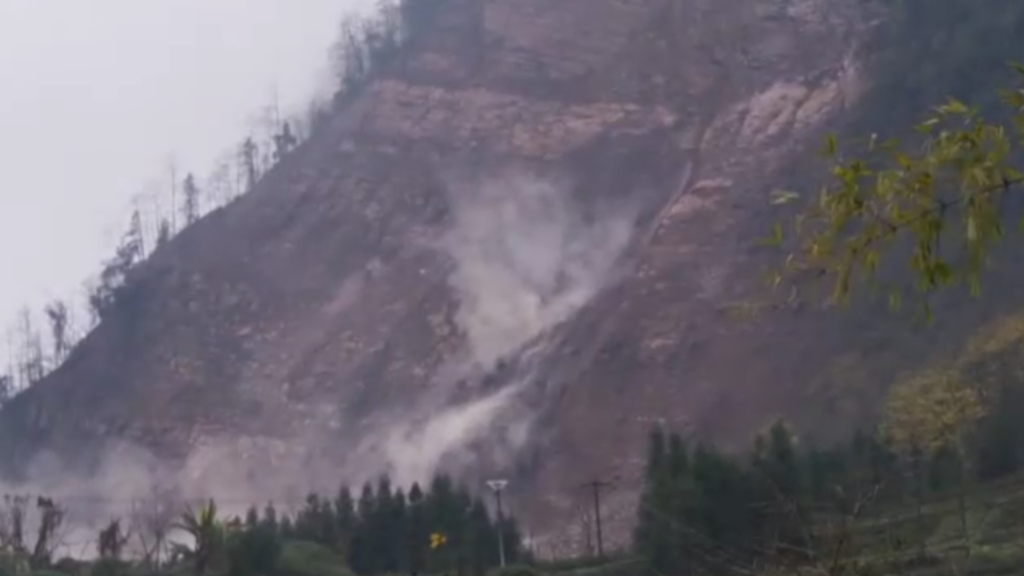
x=783 y=197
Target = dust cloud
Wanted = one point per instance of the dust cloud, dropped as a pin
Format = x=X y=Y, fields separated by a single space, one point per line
x=526 y=256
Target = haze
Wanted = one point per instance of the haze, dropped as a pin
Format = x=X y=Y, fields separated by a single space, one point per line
x=96 y=96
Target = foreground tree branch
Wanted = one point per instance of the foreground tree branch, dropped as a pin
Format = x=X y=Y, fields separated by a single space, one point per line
x=942 y=201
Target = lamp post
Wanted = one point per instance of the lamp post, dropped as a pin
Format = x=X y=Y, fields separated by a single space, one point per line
x=497 y=486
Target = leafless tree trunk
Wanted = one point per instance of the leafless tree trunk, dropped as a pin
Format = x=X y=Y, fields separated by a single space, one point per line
x=12 y=523
x=248 y=159
x=32 y=361
x=831 y=539
x=152 y=518
x=7 y=388
x=221 y=183
x=58 y=316
x=48 y=534
x=142 y=220
x=190 y=207
x=151 y=205
x=112 y=541
x=12 y=357
x=351 y=65
x=961 y=494
x=174 y=196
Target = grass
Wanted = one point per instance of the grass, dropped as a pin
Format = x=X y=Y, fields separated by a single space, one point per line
x=994 y=544
x=995 y=520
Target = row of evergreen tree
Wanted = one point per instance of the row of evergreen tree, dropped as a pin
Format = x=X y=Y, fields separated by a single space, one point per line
x=386 y=530
x=704 y=509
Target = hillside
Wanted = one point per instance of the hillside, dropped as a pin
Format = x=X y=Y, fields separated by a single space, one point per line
x=512 y=252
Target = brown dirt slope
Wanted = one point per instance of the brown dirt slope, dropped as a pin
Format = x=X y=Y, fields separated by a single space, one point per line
x=318 y=300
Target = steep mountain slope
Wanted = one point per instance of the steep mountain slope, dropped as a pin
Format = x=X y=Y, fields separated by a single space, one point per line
x=512 y=253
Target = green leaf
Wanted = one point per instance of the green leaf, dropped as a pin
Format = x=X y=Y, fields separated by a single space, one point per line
x=954 y=107
x=895 y=299
x=775 y=238
x=895 y=192
x=926 y=126
x=830 y=145
x=974 y=285
x=780 y=197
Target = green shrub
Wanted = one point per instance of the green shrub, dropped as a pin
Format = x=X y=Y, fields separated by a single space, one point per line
x=48 y=573
x=68 y=565
x=618 y=565
x=301 y=558
x=515 y=570
x=254 y=551
x=13 y=564
x=110 y=567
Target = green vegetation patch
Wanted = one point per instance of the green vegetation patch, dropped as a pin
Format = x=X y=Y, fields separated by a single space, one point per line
x=300 y=558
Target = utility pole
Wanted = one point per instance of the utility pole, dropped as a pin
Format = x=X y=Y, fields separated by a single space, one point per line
x=596 y=486
x=497 y=486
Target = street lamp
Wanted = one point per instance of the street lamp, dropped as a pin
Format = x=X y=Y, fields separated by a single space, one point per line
x=497 y=486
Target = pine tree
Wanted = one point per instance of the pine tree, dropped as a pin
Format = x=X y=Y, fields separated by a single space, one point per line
x=286 y=527
x=418 y=534
x=777 y=463
x=999 y=438
x=397 y=538
x=680 y=511
x=163 y=233
x=458 y=531
x=481 y=540
x=513 y=540
x=346 y=521
x=305 y=519
x=255 y=549
x=252 y=517
x=444 y=515
x=728 y=501
x=653 y=535
x=190 y=200
x=284 y=142
x=270 y=517
x=363 y=558
x=384 y=527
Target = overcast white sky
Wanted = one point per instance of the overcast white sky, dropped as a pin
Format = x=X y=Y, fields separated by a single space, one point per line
x=95 y=95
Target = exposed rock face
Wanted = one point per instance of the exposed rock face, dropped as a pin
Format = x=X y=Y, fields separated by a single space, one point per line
x=314 y=313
